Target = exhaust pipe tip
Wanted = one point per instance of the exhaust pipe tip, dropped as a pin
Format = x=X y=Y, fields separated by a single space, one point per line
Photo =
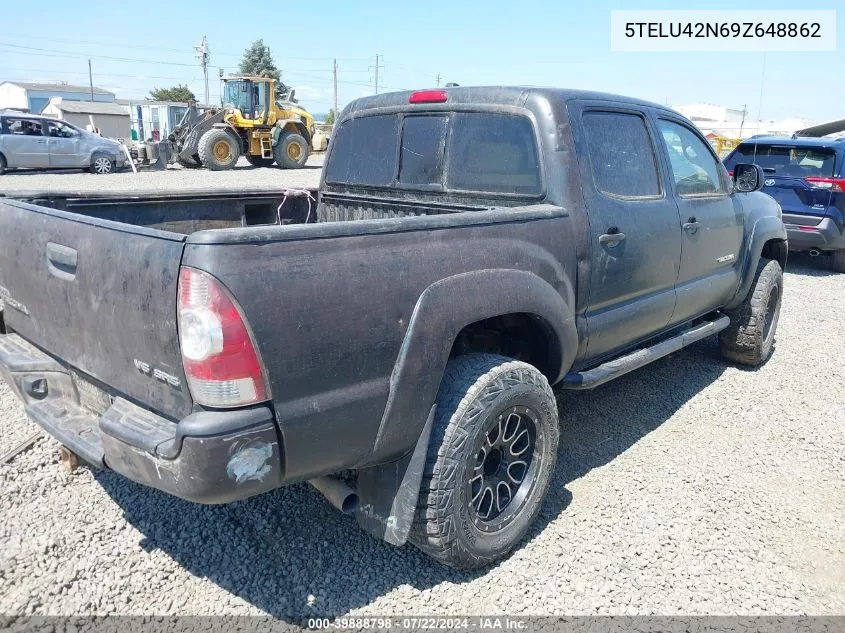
x=337 y=493
x=814 y=252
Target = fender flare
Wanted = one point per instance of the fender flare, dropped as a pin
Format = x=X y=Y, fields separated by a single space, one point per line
x=230 y=130
x=279 y=129
x=765 y=228
x=389 y=491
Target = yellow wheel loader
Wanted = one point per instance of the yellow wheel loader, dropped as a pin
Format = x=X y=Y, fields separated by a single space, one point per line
x=256 y=121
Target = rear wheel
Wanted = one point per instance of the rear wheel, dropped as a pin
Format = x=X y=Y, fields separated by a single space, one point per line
x=491 y=456
x=219 y=150
x=258 y=161
x=291 y=151
x=101 y=164
x=750 y=338
x=838 y=259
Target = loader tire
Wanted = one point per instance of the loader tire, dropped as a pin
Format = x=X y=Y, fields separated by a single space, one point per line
x=189 y=163
x=219 y=150
x=291 y=151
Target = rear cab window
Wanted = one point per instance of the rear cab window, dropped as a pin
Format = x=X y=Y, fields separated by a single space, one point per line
x=785 y=160
x=475 y=152
x=364 y=151
x=421 y=155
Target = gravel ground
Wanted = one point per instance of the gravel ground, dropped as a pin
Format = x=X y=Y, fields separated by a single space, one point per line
x=688 y=487
x=174 y=178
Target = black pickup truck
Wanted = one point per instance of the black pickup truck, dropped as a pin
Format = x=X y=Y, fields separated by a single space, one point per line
x=469 y=249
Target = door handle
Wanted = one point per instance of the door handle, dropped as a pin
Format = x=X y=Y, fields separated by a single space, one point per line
x=612 y=237
x=61 y=261
x=691 y=225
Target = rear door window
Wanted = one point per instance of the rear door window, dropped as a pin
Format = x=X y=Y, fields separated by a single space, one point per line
x=421 y=158
x=22 y=127
x=621 y=154
x=783 y=160
x=364 y=151
x=493 y=153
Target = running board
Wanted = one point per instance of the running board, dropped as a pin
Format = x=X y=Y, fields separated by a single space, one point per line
x=622 y=365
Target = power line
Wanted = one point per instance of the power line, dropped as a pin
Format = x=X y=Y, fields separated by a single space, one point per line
x=121 y=45
x=84 y=55
x=99 y=74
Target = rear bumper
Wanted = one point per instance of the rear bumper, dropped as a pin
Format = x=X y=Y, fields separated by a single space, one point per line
x=208 y=457
x=824 y=235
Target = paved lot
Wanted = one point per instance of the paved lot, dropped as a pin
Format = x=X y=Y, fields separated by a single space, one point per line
x=174 y=178
x=688 y=487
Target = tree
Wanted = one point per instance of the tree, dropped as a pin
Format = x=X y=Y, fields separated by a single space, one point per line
x=330 y=117
x=178 y=93
x=259 y=61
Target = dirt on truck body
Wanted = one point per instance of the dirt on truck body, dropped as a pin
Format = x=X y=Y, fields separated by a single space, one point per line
x=470 y=249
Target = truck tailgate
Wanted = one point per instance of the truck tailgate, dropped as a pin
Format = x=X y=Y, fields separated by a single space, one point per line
x=99 y=296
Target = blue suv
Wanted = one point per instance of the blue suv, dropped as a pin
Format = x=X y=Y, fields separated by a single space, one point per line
x=807 y=178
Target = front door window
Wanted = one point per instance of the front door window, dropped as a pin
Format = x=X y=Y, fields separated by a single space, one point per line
x=695 y=169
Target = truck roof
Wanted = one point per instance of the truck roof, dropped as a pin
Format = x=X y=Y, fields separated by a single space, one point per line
x=801 y=141
x=501 y=95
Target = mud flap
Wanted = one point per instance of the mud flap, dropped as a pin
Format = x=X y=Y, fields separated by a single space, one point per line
x=389 y=492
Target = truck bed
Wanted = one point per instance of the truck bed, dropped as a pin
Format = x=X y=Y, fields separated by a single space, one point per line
x=92 y=280
x=189 y=212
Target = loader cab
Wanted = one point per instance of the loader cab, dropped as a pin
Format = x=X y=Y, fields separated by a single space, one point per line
x=250 y=96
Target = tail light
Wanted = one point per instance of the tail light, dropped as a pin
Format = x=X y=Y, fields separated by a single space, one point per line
x=731 y=173
x=833 y=184
x=220 y=359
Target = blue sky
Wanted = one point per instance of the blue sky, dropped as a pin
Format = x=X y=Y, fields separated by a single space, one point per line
x=471 y=43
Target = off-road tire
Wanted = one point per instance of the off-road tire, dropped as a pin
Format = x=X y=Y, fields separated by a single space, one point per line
x=219 y=150
x=190 y=163
x=284 y=154
x=101 y=164
x=837 y=256
x=258 y=161
x=749 y=339
x=476 y=390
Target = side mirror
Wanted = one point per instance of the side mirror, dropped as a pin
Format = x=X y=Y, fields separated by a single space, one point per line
x=748 y=178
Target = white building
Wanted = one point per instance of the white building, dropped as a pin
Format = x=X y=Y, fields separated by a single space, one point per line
x=34 y=97
x=733 y=123
x=704 y=113
x=154 y=119
x=111 y=119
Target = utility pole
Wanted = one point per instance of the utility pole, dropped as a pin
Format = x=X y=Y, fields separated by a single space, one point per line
x=438 y=80
x=334 y=72
x=90 y=79
x=742 y=123
x=203 y=56
x=762 y=81
x=376 y=69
